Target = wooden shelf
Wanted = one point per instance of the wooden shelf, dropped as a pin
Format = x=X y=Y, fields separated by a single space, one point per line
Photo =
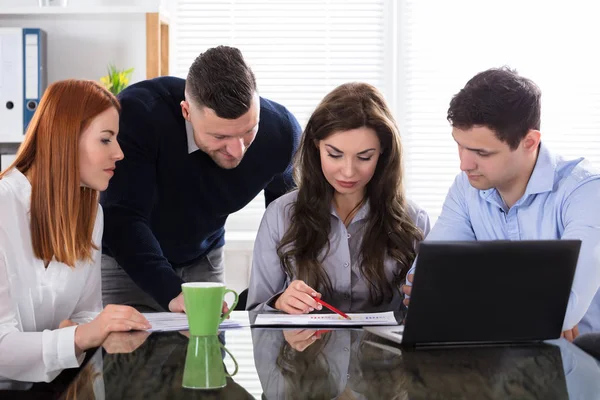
x=157 y=46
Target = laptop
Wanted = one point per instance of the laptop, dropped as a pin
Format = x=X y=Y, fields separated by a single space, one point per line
x=487 y=292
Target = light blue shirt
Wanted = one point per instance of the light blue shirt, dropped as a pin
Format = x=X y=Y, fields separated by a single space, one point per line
x=561 y=201
x=582 y=371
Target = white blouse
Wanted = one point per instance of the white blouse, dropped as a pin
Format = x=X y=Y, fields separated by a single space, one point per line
x=33 y=299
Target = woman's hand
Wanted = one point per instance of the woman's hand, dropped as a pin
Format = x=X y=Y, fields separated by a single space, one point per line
x=298 y=298
x=114 y=318
x=300 y=339
x=66 y=323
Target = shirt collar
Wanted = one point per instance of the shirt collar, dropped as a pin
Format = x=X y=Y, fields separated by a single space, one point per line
x=362 y=213
x=192 y=146
x=541 y=180
x=21 y=186
x=542 y=177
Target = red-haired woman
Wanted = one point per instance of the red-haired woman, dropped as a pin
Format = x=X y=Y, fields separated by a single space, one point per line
x=50 y=235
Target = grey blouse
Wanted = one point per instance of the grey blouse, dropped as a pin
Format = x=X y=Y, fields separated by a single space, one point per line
x=350 y=291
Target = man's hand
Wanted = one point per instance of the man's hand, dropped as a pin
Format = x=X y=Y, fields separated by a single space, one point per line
x=571 y=334
x=124 y=342
x=178 y=305
x=225 y=309
x=407 y=289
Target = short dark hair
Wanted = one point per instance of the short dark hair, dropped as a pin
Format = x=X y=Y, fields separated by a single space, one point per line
x=221 y=80
x=501 y=100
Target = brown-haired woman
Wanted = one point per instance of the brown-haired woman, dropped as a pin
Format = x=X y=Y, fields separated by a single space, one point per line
x=50 y=235
x=348 y=233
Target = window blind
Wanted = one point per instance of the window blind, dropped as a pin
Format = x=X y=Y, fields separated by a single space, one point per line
x=443 y=44
x=298 y=50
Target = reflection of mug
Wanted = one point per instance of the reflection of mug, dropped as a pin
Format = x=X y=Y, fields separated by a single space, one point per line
x=203 y=305
x=204 y=367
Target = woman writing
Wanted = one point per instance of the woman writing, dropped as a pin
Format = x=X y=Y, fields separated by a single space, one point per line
x=347 y=233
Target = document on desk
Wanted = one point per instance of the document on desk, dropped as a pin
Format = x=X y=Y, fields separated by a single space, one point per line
x=167 y=321
x=383 y=318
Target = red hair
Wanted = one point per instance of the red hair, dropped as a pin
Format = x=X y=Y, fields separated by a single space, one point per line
x=63 y=213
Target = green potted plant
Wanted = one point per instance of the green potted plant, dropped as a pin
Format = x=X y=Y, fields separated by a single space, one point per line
x=116 y=80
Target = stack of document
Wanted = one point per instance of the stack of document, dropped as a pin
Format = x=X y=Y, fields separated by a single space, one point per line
x=167 y=321
x=384 y=318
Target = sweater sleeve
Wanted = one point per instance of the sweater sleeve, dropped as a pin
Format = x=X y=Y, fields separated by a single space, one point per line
x=128 y=204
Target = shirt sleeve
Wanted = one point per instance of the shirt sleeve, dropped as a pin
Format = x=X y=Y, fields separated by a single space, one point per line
x=268 y=279
x=31 y=356
x=423 y=222
x=582 y=221
x=454 y=223
x=128 y=204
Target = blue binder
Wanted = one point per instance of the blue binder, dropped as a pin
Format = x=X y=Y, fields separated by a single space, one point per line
x=23 y=79
x=34 y=71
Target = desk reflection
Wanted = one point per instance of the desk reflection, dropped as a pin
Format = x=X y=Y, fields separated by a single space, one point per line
x=356 y=364
x=155 y=371
x=344 y=364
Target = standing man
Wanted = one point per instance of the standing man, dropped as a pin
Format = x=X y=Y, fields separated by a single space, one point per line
x=196 y=151
x=512 y=187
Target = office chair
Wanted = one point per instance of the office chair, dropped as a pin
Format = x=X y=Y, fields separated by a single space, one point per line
x=242 y=299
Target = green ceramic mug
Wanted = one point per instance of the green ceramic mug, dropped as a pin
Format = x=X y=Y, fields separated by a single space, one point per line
x=204 y=367
x=203 y=305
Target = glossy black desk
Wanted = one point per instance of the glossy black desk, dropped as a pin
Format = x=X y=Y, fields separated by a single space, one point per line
x=345 y=364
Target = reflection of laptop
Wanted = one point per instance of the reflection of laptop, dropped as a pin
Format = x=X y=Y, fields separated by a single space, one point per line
x=487 y=292
x=526 y=371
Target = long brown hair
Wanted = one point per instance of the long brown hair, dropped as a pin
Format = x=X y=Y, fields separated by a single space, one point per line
x=62 y=212
x=389 y=230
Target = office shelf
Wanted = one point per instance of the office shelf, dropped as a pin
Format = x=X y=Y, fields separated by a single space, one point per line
x=157 y=25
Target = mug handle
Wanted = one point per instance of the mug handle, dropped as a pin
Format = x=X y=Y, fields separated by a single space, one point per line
x=232 y=357
x=232 y=306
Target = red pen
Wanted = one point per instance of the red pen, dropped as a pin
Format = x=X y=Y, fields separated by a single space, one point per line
x=332 y=308
x=321 y=332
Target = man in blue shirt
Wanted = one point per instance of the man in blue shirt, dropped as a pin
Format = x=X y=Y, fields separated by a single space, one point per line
x=512 y=187
x=196 y=150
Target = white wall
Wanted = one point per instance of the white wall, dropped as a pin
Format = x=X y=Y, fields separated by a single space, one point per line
x=82 y=45
x=238 y=264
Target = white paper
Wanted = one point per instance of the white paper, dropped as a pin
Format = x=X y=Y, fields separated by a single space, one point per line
x=167 y=321
x=383 y=318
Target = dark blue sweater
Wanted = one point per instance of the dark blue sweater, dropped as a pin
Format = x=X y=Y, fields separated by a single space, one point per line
x=165 y=208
